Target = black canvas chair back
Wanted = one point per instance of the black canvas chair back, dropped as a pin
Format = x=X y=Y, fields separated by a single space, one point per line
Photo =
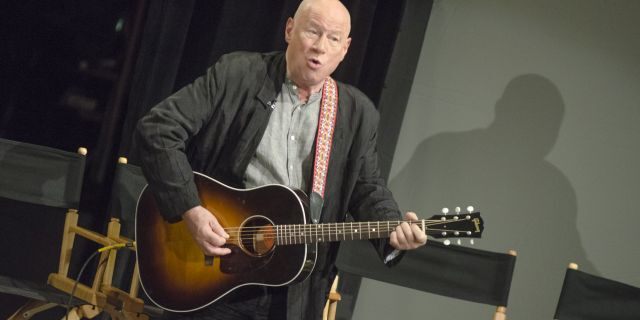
x=128 y=183
x=38 y=185
x=453 y=271
x=126 y=189
x=588 y=297
x=40 y=175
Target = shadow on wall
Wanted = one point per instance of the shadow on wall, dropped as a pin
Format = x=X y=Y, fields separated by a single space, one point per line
x=528 y=204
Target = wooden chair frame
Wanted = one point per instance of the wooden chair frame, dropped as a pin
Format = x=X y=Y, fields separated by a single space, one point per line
x=101 y=296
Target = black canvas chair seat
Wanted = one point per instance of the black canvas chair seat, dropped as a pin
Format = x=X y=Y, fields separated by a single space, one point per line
x=35 y=291
x=452 y=271
x=588 y=297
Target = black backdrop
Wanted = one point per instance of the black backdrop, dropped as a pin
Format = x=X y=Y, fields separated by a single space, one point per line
x=164 y=45
x=182 y=38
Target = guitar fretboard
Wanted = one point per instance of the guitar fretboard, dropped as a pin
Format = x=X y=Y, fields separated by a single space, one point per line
x=464 y=226
x=327 y=232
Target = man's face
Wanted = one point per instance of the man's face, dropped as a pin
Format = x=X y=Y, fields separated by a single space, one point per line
x=318 y=40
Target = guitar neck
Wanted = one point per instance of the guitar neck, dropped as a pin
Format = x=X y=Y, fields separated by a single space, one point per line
x=467 y=225
x=328 y=232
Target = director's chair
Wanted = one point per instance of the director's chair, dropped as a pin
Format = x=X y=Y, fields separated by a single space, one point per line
x=588 y=297
x=453 y=271
x=38 y=185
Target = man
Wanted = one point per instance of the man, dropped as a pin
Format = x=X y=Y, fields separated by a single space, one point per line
x=252 y=120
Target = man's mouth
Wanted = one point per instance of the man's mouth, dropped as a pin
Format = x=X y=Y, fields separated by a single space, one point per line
x=314 y=63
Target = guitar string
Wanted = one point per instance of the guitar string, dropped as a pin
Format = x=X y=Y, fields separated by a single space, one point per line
x=336 y=225
x=330 y=230
x=307 y=240
x=299 y=234
x=294 y=235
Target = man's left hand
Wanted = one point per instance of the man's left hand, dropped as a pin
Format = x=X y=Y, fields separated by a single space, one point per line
x=407 y=237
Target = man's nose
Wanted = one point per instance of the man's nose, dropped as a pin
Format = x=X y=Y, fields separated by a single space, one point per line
x=320 y=45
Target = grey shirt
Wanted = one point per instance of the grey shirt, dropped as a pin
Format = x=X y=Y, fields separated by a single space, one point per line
x=284 y=155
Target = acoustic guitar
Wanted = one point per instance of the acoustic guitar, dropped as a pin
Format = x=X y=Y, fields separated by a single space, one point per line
x=272 y=241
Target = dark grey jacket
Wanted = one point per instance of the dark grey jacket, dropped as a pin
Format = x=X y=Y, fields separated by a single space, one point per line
x=214 y=126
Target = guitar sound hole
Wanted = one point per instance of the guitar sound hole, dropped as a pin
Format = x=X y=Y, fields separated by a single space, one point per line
x=257 y=236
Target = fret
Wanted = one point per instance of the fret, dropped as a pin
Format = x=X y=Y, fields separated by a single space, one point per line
x=284 y=234
x=292 y=233
x=295 y=233
x=378 y=226
x=351 y=229
x=301 y=233
x=304 y=233
x=388 y=228
x=277 y=235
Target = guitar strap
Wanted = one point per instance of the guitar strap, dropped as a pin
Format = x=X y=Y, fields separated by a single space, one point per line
x=324 y=139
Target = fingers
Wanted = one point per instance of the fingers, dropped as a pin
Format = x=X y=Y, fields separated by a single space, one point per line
x=408 y=236
x=212 y=242
x=218 y=229
x=393 y=240
x=419 y=236
x=405 y=235
x=411 y=216
x=206 y=231
x=213 y=250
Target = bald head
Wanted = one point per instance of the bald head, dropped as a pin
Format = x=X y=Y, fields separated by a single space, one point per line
x=333 y=8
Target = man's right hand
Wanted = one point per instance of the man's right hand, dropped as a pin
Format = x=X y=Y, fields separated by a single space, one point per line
x=206 y=231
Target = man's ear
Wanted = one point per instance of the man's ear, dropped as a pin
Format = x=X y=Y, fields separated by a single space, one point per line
x=288 y=29
x=345 y=48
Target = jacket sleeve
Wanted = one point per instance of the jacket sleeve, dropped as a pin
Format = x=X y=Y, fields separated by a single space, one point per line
x=162 y=136
x=371 y=200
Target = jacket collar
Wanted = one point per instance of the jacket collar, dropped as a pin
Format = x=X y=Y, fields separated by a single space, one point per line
x=276 y=70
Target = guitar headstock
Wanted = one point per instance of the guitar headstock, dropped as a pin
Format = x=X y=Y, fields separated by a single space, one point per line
x=457 y=225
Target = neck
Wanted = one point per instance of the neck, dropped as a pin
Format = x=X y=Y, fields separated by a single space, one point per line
x=304 y=92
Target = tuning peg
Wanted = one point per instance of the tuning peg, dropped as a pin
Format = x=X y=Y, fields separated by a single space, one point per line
x=445 y=211
x=457 y=210
x=470 y=209
x=447 y=242
x=471 y=242
x=459 y=242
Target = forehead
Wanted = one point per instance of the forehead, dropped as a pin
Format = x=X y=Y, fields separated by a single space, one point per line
x=332 y=19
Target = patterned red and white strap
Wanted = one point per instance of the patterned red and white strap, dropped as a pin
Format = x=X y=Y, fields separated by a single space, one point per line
x=324 y=138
